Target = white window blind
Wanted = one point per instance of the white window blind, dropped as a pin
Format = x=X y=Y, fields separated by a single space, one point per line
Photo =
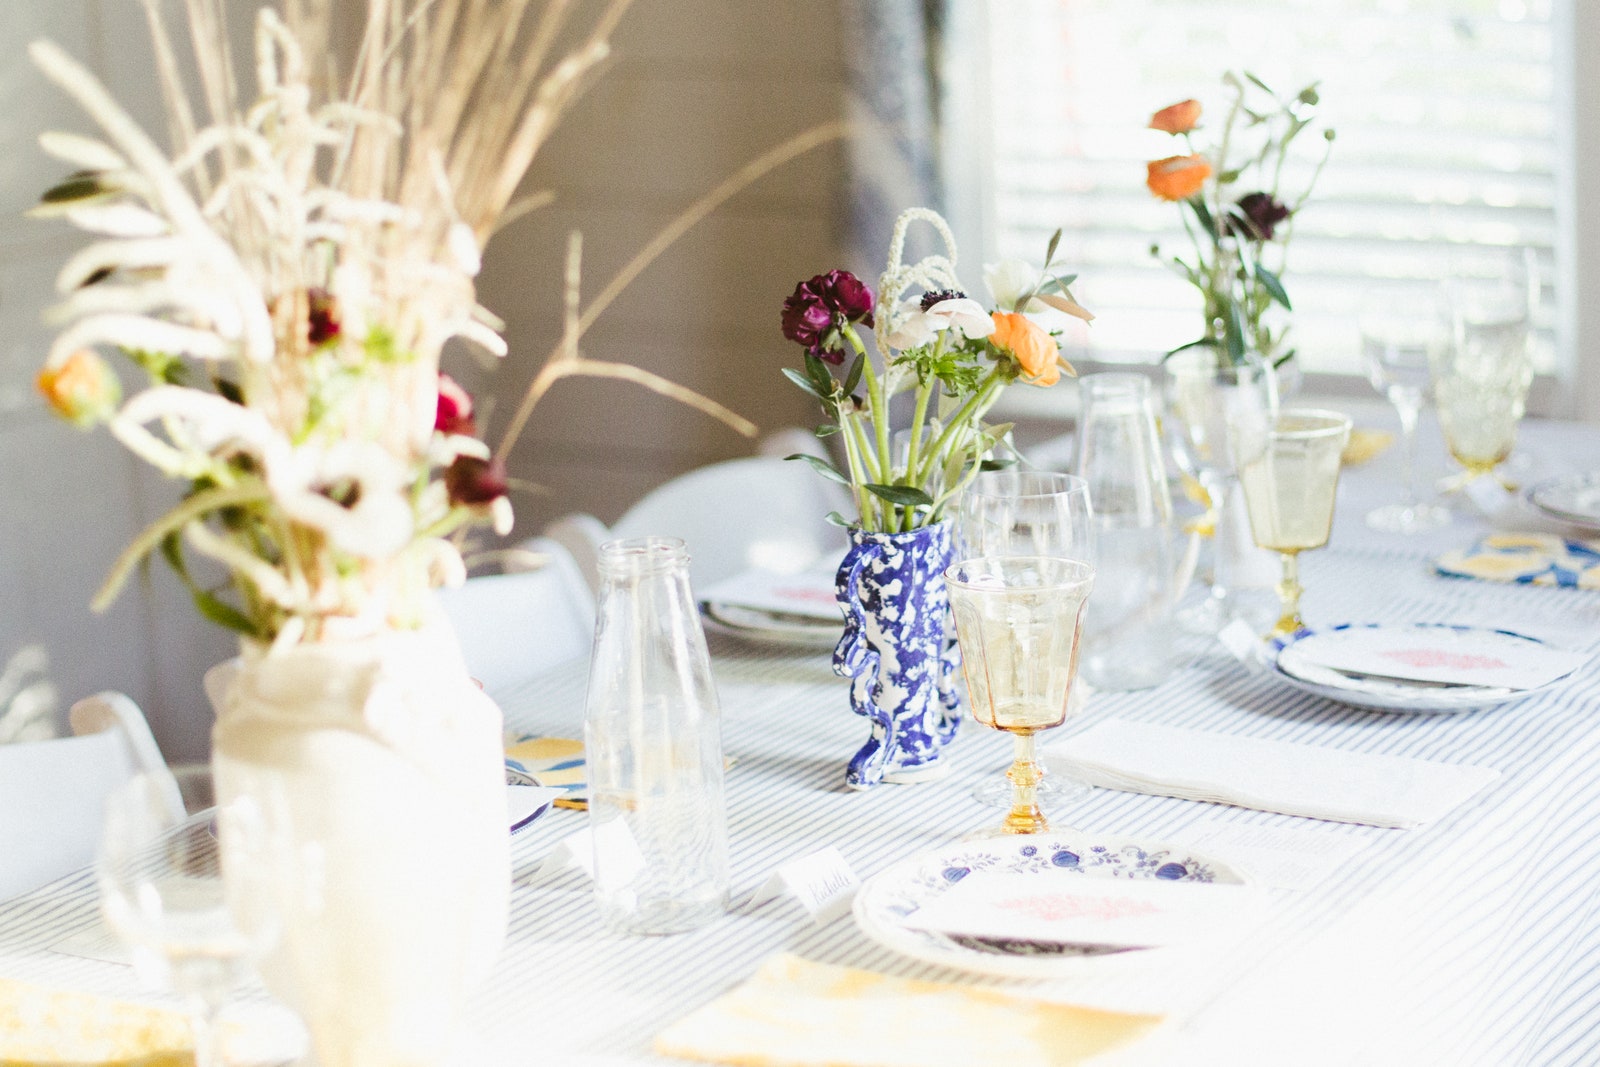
x=1446 y=144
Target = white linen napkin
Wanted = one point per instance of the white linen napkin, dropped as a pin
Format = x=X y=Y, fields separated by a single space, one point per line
x=1249 y=772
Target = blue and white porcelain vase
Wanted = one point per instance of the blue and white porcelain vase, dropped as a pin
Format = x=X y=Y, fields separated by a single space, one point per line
x=902 y=670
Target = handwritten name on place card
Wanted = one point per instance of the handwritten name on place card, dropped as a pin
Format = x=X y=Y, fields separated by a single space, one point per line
x=821 y=882
x=1082 y=909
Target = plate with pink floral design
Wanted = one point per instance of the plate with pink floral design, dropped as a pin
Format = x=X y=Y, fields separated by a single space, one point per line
x=1419 y=667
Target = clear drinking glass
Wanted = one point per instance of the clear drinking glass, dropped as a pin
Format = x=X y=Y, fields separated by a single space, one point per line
x=1291 y=479
x=1018 y=620
x=1207 y=397
x=1481 y=378
x=188 y=929
x=1127 y=643
x=1026 y=513
x=653 y=742
x=1403 y=329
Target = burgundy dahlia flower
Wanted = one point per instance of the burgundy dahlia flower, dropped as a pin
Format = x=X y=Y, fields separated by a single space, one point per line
x=817 y=308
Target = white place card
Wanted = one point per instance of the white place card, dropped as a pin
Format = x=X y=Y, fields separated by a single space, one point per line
x=94 y=943
x=1087 y=910
x=579 y=851
x=809 y=593
x=1283 y=857
x=1242 y=642
x=1488 y=494
x=1439 y=654
x=822 y=883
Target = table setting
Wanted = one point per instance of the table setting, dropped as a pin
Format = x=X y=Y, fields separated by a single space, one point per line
x=1041 y=771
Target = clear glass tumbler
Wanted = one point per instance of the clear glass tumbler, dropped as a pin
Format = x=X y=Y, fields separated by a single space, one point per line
x=1127 y=636
x=652 y=737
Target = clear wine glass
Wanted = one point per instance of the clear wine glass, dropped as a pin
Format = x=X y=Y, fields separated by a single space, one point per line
x=188 y=929
x=1481 y=377
x=1207 y=397
x=1009 y=513
x=1290 y=476
x=1018 y=620
x=1403 y=330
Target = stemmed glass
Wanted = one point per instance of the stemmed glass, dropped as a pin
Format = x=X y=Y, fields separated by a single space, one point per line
x=188 y=929
x=1402 y=331
x=1011 y=513
x=1291 y=478
x=1018 y=620
x=1025 y=513
x=1207 y=396
x=1481 y=378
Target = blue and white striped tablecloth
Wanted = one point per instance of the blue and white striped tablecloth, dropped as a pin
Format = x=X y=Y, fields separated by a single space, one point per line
x=1474 y=940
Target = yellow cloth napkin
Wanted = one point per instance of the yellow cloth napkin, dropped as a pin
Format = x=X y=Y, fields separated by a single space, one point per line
x=1527 y=559
x=795 y=1013
x=1365 y=445
x=53 y=1028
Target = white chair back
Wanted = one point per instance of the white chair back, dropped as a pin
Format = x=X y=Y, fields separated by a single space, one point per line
x=742 y=514
x=513 y=626
x=53 y=793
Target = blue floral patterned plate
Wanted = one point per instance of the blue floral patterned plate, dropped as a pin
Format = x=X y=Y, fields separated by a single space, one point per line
x=888 y=898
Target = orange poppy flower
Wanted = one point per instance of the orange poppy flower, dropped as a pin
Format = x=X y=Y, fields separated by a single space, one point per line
x=1177 y=118
x=1027 y=342
x=1177 y=177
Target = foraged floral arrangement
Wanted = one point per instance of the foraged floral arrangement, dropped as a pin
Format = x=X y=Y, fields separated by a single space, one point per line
x=287 y=278
x=952 y=353
x=1238 y=216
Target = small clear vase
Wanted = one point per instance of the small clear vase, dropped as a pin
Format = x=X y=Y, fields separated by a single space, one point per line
x=653 y=742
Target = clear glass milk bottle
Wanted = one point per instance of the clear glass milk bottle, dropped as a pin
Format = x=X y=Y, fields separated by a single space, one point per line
x=652 y=737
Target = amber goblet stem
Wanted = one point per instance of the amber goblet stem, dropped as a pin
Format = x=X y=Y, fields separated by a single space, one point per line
x=1289 y=590
x=1025 y=774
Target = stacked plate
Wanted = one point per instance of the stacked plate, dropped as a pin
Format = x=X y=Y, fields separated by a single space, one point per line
x=1574 y=499
x=1419 y=667
x=1044 y=871
x=777 y=609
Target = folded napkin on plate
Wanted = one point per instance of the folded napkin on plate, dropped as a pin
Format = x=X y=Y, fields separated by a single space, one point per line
x=1249 y=772
x=795 y=1013
x=1529 y=559
x=51 y=1028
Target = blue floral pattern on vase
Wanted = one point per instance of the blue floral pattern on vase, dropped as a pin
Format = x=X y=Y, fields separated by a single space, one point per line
x=902 y=669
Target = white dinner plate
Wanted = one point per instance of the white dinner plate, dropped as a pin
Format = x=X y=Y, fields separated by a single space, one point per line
x=772 y=628
x=1394 y=694
x=889 y=897
x=1573 y=499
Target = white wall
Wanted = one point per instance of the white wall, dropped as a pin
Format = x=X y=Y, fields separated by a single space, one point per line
x=698 y=88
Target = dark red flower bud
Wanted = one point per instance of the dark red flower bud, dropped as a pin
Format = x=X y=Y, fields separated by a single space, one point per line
x=473 y=481
x=322 y=319
x=1255 y=216
x=454 y=414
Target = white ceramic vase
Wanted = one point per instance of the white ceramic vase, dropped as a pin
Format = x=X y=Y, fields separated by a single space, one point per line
x=379 y=764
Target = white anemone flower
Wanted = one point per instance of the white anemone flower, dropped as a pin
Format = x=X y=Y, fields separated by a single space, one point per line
x=962 y=314
x=1008 y=280
x=371 y=517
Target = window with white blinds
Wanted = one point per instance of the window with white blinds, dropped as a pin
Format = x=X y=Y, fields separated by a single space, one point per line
x=1445 y=112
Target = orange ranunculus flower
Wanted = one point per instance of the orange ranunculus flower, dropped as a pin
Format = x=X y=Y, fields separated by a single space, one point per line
x=1177 y=177
x=1027 y=342
x=82 y=389
x=1178 y=118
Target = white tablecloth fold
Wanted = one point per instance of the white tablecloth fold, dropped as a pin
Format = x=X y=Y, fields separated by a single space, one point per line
x=1281 y=776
